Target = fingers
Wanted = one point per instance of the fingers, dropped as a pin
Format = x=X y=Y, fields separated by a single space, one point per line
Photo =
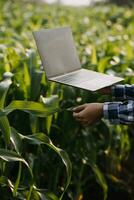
x=84 y=122
x=77 y=112
x=79 y=108
x=79 y=119
x=76 y=115
x=80 y=115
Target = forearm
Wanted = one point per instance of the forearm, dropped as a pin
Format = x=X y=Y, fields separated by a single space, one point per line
x=119 y=112
x=123 y=92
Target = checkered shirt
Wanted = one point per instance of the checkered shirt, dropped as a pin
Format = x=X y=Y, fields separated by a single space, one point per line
x=121 y=111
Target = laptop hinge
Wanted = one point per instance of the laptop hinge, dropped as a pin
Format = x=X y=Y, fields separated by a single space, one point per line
x=63 y=74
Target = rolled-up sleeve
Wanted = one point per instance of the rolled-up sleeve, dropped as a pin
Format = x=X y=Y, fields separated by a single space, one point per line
x=123 y=92
x=119 y=112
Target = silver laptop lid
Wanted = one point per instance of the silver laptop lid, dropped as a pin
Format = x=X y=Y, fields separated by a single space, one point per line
x=57 y=51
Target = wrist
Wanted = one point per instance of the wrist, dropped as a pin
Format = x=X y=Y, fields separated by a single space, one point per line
x=106 y=90
x=100 y=109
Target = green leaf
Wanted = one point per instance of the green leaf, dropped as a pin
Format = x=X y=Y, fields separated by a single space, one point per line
x=35 y=195
x=50 y=101
x=38 y=109
x=36 y=77
x=5 y=128
x=3 y=181
x=16 y=140
x=27 y=81
x=34 y=123
x=102 y=64
x=16 y=185
x=4 y=123
x=4 y=86
x=41 y=138
x=49 y=123
x=51 y=196
x=100 y=178
x=11 y=156
x=45 y=194
x=30 y=192
x=94 y=55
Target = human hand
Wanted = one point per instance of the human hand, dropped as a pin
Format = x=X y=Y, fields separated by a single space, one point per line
x=88 y=114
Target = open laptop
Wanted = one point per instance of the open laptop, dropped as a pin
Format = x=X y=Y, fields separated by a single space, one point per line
x=61 y=62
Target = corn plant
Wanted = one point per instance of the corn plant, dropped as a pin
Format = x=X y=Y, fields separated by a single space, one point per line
x=33 y=111
x=12 y=150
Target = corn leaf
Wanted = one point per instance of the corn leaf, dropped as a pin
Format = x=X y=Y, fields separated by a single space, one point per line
x=4 y=123
x=31 y=107
x=4 y=86
x=36 y=77
x=50 y=101
x=16 y=140
x=5 y=128
x=11 y=156
x=41 y=138
x=94 y=55
x=100 y=178
x=16 y=185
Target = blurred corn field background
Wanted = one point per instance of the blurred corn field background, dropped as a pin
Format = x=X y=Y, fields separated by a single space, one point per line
x=44 y=153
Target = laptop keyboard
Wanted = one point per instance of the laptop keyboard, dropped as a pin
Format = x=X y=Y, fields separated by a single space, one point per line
x=87 y=79
x=77 y=77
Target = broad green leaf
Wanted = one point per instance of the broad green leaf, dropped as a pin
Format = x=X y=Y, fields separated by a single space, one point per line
x=50 y=101
x=38 y=109
x=34 y=123
x=36 y=77
x=4 y=123
x=16 y=140
x=11 y=156
x=41 y=138
x=5 y=128
x=103 y=64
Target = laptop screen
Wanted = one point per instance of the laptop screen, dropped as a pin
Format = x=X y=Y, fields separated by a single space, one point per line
x=57 y=51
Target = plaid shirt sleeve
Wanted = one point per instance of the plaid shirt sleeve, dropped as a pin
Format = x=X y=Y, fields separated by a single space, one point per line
x=119 y=112
x=123 y=92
